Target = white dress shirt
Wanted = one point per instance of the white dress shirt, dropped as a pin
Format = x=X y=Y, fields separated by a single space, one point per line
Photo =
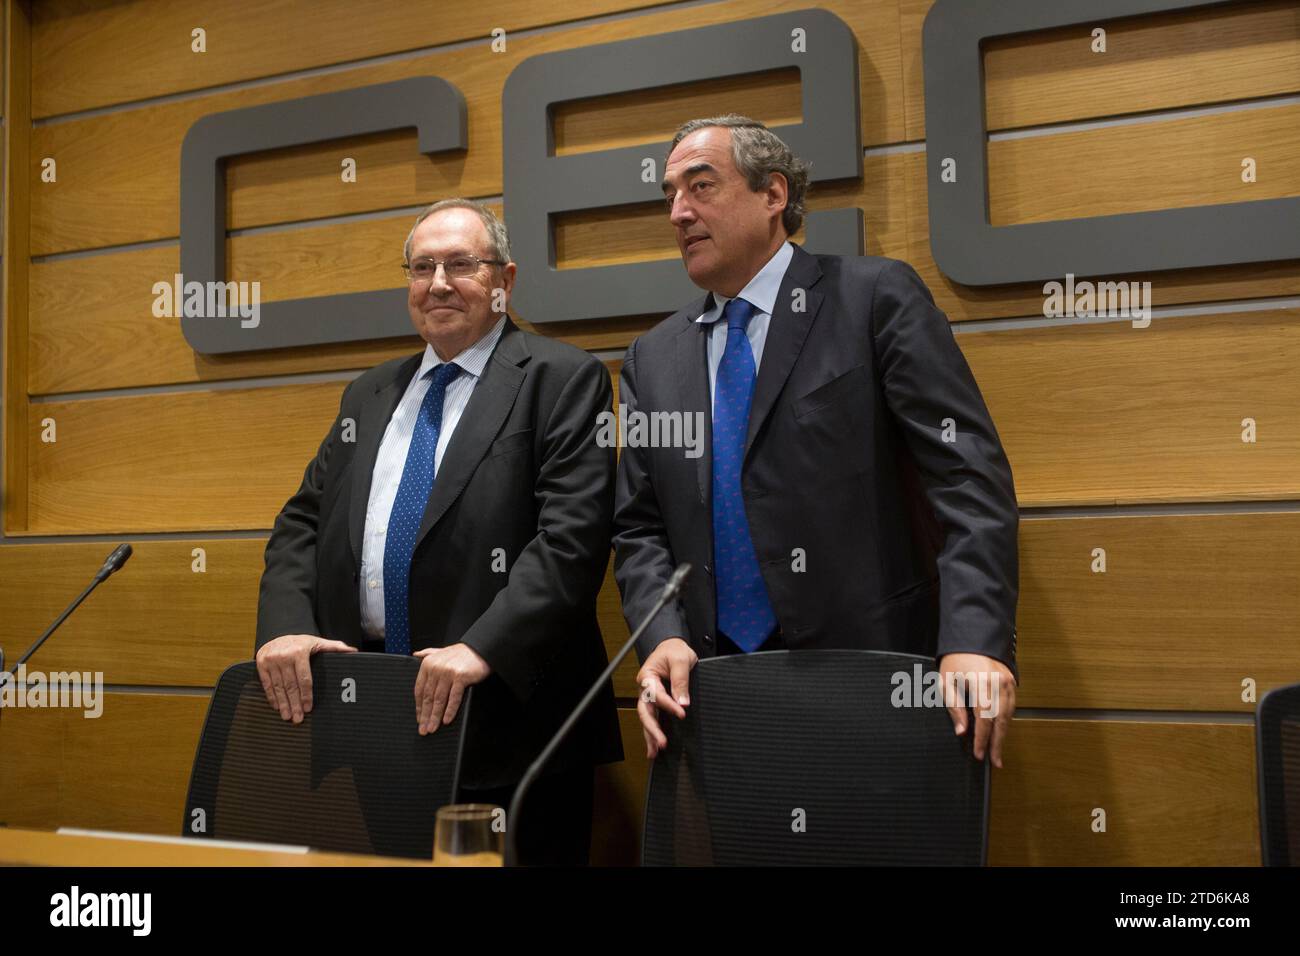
x=761 y=293
x=391 y=461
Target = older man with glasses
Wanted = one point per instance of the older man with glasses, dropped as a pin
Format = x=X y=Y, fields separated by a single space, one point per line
x=459 y=510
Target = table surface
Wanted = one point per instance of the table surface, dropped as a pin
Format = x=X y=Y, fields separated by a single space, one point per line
x=46 y=848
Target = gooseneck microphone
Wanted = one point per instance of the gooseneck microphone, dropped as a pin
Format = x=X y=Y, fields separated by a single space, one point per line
x=670 y=591
x=111 y=564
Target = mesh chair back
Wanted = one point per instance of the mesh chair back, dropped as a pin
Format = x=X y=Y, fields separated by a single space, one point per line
x=802 y=758
x=1277 y=737
x=355 y=776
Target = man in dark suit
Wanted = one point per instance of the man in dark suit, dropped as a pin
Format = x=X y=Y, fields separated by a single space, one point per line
x=459 y=509
x=854 y=492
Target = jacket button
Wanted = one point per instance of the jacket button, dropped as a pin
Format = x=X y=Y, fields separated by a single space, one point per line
x=708 y=569
x=707 y=639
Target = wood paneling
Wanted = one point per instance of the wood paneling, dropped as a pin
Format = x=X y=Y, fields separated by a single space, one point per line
x=128 y=769
x=1111 y=414
x=1080 y=412
x=119 y=172
x=157 y=621
x=1208 y=55
x=1164 y=165
x=218 y=460
x=82 y=45
x=92 y=323
x=613 y=627
x=1174 y=794
x=1189 y=606
x=15 y=262
x=625 y=119
x=112 y=295
x=1170 y=288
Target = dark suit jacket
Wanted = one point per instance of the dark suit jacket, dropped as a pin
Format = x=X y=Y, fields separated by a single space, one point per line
x=909 y=542
x=522 y=473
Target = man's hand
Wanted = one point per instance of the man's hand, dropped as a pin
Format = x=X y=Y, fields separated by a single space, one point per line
x=670 y=662
x=285 y=669
x=990 y=689
x=445 y=672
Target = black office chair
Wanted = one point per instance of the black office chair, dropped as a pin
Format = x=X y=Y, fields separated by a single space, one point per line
x=355 y=776
x=801 y=758
x=1277 y=742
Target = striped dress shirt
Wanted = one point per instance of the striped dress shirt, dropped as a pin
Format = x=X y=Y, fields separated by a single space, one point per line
x=391 y=461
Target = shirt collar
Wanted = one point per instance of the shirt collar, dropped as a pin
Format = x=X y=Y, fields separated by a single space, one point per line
x=761 y=291
x=471 y=360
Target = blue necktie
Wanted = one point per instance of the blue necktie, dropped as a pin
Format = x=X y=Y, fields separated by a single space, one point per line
x=408 y=511
x=744 y=611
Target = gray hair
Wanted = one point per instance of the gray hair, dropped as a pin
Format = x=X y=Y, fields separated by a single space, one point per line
x=758 y=152
x=496 y=229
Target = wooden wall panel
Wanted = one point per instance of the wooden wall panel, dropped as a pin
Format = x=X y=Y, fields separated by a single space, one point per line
x=92 y=327
x=1177 y=287
x=128 y=769
x=1210 y=55
x=112 y=293
x=216 y=460
x=1081 y=416
x=1152 y=166
x=80 y=46
x=1175 y=794
x=157 y=621
x=16 y=204
x=1189 y=607
x=119 y=172
x=160 y=622
x=1078 y=412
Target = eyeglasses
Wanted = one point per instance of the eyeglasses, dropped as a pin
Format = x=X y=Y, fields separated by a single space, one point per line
x=457 y=267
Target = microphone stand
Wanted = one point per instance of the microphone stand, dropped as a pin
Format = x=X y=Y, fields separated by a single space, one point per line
x=670 y=591
x=112 y=563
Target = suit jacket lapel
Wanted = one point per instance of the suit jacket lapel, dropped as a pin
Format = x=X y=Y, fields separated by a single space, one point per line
x=489 y=404
x=785 y=337
x=693 y=383
x=376 y=411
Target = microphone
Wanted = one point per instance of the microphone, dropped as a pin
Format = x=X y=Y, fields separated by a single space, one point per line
x=112 y=563
x=670 y=591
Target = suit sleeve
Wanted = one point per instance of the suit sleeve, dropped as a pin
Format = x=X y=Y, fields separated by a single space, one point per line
x=558 y=574
x=286 y=599
x=968 y=479
x=643 y=559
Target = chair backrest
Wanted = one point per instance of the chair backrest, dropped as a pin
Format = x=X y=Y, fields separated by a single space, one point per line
x=814 y=758
x=1277 y=741
x=355 y=776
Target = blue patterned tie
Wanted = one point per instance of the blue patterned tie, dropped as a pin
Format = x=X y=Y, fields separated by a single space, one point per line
x=744 y=611
x=408 y=511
